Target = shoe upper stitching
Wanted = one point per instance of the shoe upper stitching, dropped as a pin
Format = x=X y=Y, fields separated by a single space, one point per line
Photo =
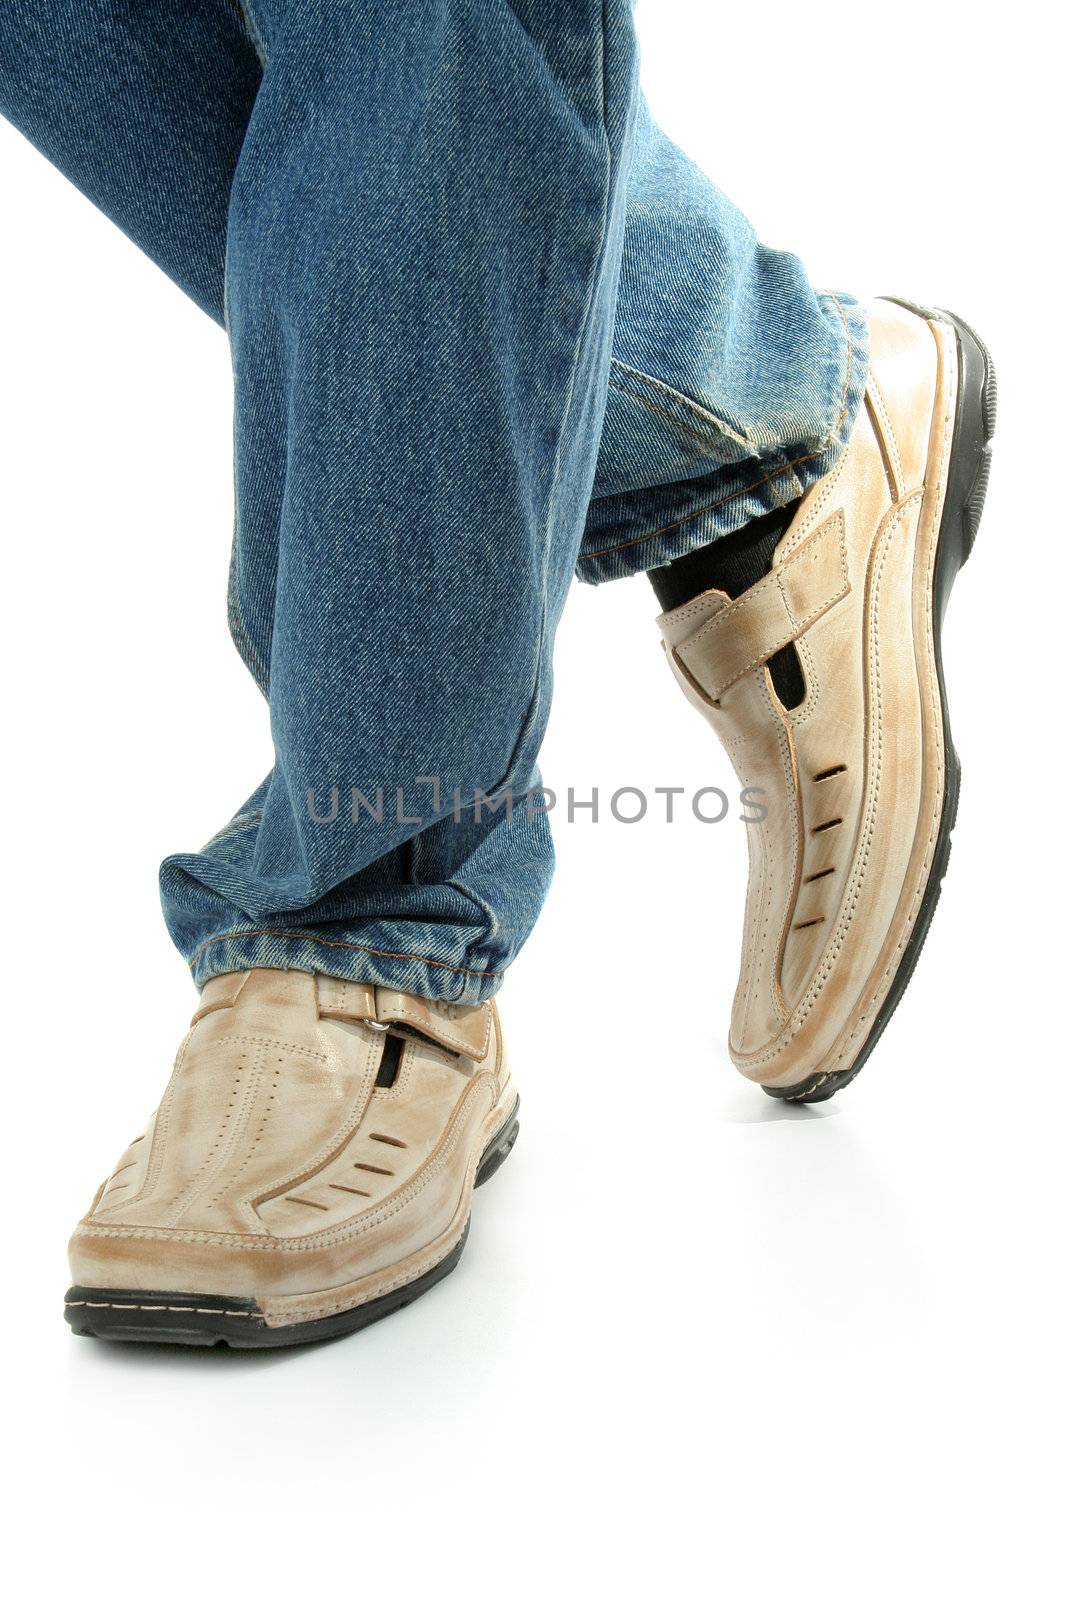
x=788 y=760
x=935 y=825
x=401 y=1279
x=341 y=1234
x=722 y=618
x=883 y=428
x=858 y=877
x=235 y=1120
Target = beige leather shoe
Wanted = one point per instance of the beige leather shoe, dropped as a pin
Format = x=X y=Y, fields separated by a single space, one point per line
x=309 y=1169
x=860 y=778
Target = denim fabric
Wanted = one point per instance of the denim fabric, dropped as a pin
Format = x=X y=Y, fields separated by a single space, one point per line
x=733 y=385
x=489 y=327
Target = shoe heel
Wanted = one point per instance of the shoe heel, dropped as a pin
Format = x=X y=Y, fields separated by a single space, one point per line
x=499 y=1148
x=972 y=446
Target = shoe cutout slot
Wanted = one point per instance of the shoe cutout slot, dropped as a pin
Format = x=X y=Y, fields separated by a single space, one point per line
x=823 y=827
x=831 y=772
x=385 y=1138
x=126 y=1168
x=812 y=923
x=346 y=1188
x=787 y=676
x=813 y=877
x=295 y=1200
x=389 y=1066
x=365 y=1166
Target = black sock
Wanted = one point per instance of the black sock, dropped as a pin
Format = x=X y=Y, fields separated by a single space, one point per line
x=733 y=564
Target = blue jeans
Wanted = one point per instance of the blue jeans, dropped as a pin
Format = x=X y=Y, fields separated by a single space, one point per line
x=489 y=328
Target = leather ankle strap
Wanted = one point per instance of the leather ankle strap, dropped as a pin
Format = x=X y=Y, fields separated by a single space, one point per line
x=748 y=631
x=464 y=1030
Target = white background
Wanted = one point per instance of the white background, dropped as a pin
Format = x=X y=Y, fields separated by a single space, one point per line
x=699 y=1341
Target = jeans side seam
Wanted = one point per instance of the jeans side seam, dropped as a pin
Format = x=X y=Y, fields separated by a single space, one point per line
x=252 y=28
x=706 y=446
x=713 y=505
x=339 y=944
x=699 y=412
x=245 y=648
x=552 y=507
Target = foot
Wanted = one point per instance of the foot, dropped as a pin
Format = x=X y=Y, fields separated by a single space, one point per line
x=309 y=1169
x=858 y=772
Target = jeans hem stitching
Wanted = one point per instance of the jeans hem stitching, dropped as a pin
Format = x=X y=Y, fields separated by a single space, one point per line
x=340 y=944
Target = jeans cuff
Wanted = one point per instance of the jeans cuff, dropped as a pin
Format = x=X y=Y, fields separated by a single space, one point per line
x=432 y=977
x=659 y=525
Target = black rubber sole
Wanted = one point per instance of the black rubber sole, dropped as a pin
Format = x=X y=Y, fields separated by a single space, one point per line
x=965 y=492
x=159 y=1317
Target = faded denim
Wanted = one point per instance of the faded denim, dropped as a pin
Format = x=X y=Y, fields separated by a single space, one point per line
x=489 y=328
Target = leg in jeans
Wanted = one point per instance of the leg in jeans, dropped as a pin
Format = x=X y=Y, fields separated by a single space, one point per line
x=417 y=234
x=488 y=327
